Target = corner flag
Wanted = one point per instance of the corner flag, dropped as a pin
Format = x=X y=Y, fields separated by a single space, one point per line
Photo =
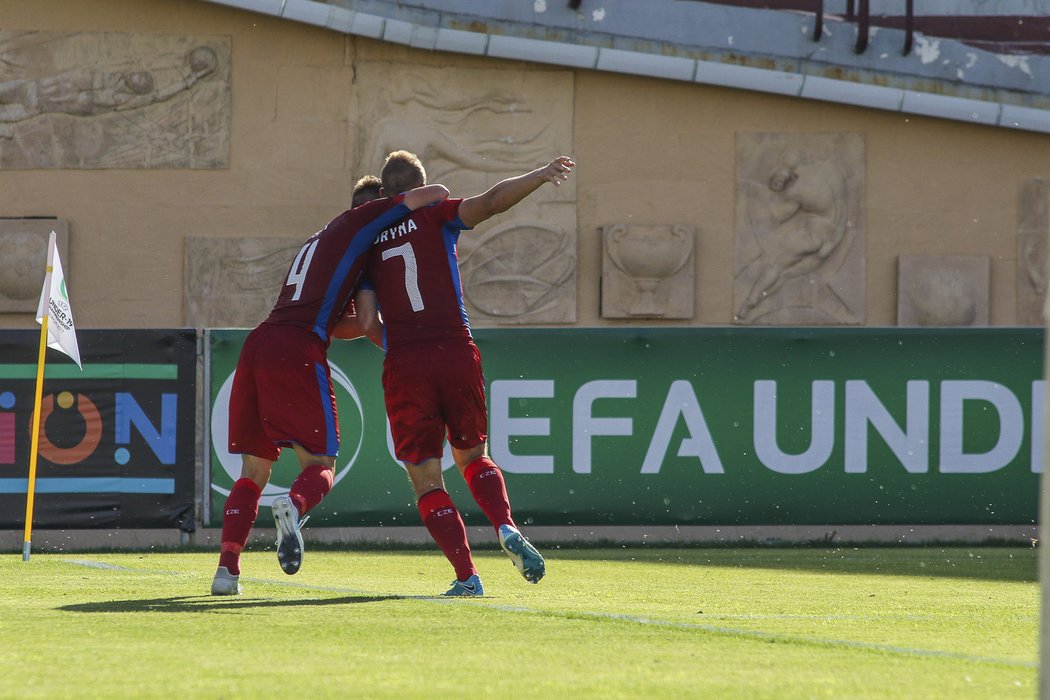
x=56 y=331
x=54 y=304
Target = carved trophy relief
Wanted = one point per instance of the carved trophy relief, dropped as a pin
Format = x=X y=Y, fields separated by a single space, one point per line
x=1033 y=232
x=234 y=282
x=111 y=100
x=799 y=235
x=23 y=250
x=943 y=290
x=471 y=130
x=648 y=271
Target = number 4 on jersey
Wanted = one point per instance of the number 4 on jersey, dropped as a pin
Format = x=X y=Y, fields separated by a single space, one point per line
x=297 y=275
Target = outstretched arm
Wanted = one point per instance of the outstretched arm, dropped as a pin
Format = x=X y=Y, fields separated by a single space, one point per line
x=424 y=196
x=506 y=193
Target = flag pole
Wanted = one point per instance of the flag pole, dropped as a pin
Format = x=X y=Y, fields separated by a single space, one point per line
x=27 y=543
x=43 y=314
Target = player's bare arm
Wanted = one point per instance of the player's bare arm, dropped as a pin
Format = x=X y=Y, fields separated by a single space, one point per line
x=506 y=193
x=349 y=326
x=425 y=196
x=368 y=317
x=362 y=319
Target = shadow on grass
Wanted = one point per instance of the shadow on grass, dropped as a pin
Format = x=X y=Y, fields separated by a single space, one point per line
x=207 y=603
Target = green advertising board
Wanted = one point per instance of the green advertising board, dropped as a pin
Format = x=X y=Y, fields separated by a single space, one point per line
x=708 y=426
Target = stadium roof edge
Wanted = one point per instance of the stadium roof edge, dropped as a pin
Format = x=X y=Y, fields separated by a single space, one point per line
x=603 y=58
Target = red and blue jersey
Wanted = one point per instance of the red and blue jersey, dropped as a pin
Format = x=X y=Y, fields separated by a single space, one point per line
x=326 y=272
x=414 y=269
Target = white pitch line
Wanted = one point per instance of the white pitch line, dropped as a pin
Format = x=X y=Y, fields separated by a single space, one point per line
x=715 y=629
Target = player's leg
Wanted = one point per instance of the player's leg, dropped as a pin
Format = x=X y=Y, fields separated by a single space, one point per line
x=419 y=434
x=247 y=437
x=316 y=476
x=464 y=409
x=298 y=401
x=486 y=484
x=239 y=514
x=445 y=525
x=462 y=392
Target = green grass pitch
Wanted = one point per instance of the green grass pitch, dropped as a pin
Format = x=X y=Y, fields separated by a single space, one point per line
x=934 y=622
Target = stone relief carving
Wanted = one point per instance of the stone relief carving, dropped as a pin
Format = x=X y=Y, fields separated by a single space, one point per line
x=519 y=267
x=648 y=271
x=234 y=282
x=108 y=100
x=23 y=250
x=799 y=238
x=458 y=132
x=943 y=290
x=1033 y=232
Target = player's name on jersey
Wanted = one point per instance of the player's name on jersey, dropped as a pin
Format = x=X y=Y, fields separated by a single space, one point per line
x=395 y=232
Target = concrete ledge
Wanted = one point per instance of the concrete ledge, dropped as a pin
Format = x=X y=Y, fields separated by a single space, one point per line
x=425 y=25
x=692 y=535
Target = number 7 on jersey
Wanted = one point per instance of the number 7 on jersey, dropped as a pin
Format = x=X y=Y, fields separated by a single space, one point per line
x=411 y=280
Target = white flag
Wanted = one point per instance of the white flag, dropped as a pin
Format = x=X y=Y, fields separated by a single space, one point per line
x=54 y=303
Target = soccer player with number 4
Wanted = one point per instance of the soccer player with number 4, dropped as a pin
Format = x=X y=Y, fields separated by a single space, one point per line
x=282 y=393
x=432 y=376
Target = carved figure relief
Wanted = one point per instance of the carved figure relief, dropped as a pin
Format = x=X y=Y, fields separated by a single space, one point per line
x=943 y=290
x=799 y=245
x=648 y=271
x=519 y=267
x=23 y=250
x=234 y=282
x=1033 y=232
x=449 y=142
x=113 y=100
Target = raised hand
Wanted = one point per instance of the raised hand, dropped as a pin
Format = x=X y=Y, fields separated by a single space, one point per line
x=557 y=171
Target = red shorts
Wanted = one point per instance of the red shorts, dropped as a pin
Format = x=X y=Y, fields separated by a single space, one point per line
x=432 y=391
x=282 y=394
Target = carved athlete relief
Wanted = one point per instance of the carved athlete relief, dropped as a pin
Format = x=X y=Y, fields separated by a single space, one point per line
x=799 y=242
x=92 y=100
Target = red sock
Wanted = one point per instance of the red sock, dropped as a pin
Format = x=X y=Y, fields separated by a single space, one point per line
x=446 y=527
x=312 y=484
x=242 y=507
x=486 y=484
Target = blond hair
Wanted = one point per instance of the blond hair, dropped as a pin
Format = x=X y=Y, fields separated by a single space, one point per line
x=402 y=171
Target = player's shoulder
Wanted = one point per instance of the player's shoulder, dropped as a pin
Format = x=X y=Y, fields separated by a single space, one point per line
x=445 y=210
x=360 y=215
x=369 y=210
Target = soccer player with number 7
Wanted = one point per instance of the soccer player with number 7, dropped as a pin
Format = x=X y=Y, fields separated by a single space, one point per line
x=282 y=393
x=432 y=377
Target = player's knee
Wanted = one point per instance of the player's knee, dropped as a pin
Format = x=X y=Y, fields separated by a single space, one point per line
x=464 y=457
x=328 y=474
